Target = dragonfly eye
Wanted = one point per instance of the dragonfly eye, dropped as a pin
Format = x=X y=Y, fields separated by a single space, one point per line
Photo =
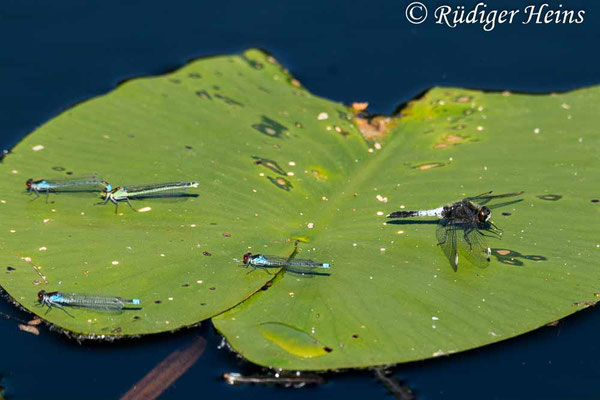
x=247 y=257
x=41 y=294
x=29 y=182
x=484 y=214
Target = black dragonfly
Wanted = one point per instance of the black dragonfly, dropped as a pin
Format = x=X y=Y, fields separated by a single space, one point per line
x=464 y=226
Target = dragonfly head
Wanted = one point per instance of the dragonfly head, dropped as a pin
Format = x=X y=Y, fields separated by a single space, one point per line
x=107 y=191
x=41 y=295
x=28 y=183
x=484 y=214
x=246 y=258
x=107 y=186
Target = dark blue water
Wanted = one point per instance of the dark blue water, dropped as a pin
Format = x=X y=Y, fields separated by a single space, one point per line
x=55 y=54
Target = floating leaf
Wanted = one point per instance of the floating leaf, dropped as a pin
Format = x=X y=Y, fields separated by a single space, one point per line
x=198 y=123
x=391 y=296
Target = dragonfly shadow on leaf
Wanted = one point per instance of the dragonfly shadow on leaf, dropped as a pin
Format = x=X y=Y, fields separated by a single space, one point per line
x=411 y=222
x=511 y=257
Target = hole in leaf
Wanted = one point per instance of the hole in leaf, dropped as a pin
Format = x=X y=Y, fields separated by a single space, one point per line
x=550 y=197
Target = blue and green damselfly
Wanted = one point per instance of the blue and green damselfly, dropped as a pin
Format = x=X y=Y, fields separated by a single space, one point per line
x=76 y=184
x=93 y=301
x=292 y=264
x=127 y=193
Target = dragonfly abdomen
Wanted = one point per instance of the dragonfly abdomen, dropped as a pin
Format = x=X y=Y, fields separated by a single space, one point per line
x=434 y=212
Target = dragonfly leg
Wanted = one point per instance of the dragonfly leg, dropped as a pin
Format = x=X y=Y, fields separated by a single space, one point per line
x=128 y=202
x=62 y=308
x=495 y=227
x=103 y=202
x=252 y=270
x=34 y=191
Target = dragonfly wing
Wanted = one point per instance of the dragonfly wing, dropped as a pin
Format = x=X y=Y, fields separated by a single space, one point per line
x=307 y=271
x=486 y=197
x=472 y=244
x=275 y=262
x=446 y=234
x=92 y=183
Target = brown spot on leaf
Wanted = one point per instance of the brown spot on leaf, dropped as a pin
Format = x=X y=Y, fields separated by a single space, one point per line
x=225 y=234
x=451 y=140
x=426 y=166
x=463 y=99
x=281 y=183
x=584 y=303
x=375 y=127
x=206 y=253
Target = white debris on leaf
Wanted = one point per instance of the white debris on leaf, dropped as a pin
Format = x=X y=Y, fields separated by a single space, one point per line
x=381 y=198
x=37 y=148
x=322 y=116
x=43 y=248
x=310 y=225
x=115 y=263
x=145 y=209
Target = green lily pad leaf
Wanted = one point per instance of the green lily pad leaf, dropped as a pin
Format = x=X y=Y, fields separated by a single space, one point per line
x=229 y=123
x=392 y=295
